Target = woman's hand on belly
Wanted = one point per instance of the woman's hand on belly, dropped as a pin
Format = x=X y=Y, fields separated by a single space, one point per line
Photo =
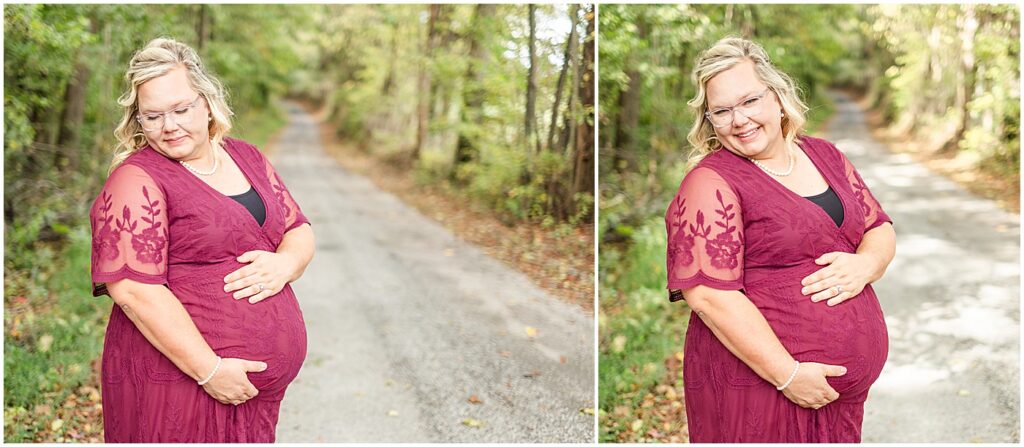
x=845 y=277
x=810 y=389
x=230 y=384
x=266 y=274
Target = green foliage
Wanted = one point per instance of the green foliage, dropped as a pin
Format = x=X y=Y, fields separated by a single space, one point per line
x=639 y=328
x=375 y=58
x=54 y=332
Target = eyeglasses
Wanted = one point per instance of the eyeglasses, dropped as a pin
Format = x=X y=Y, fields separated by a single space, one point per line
x=155 y=121
x=749 y=107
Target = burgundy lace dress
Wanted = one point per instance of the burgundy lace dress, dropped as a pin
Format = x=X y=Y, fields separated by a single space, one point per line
x=733 y=227
x=156 y=223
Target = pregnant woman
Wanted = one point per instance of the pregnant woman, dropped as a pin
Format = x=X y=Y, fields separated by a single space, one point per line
x=774 y=240
x=196 y=239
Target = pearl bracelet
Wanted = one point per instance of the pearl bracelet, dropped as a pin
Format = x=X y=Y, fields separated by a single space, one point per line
x=215 y=368
x=791 y=377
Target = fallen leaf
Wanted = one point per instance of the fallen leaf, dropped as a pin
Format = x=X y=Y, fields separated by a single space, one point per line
x=506 y=354
x=563 y=359
x=963 y=393
x=531 y=332
x=589 y=411
x=618 y=343
x=532 y=374
x=392 y=413
x=449 y=252
x=475 y=400
x=56 y=424
x=45 y=342
x=470 y=422
x=637 y=425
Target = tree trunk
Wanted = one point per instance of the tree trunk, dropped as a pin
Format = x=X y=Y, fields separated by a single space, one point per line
x=531 y=84
x=201 y=29
x=583 y=166
x=968 y=25
x=424 y=90
x=629 y=112
x=570 y=54
x=389 y=81
x=473 y=99
x=73 y=115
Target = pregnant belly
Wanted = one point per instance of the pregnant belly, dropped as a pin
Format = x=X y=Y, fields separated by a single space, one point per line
x=852 y=334
x=271 y=331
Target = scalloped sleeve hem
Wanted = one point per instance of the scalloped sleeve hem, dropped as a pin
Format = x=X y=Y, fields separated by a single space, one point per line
x=100 y=280
x=700 y=279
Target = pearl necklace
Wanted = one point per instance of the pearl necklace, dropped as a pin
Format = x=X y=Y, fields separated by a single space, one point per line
x=792 y=164
x=216 y=164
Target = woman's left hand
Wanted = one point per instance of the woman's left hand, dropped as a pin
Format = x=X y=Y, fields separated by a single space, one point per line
x=266 y=274
x=845 y=277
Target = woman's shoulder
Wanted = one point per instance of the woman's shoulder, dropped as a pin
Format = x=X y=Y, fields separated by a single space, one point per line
x=142 y=162
x=243 y=147
x=820 y=146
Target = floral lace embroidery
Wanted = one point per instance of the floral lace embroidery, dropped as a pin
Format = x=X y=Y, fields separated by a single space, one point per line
x=279 y=192
x=683 y=243
x=150 y=242
x=860 y=191
x=105 y=242
x=723 y=248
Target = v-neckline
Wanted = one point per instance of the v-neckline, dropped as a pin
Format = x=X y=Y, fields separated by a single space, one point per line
x=224 y=197
x=792 y=194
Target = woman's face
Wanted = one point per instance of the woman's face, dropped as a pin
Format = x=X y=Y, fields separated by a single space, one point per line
x=758 y=135
x=183 y=133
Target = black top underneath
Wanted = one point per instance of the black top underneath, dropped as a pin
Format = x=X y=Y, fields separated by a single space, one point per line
x=251 y=201
x=829 y=202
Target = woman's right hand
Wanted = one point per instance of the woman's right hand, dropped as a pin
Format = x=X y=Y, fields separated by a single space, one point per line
x=809 y=389
x=230 y=385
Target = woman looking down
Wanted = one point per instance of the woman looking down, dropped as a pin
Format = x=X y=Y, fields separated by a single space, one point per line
x=196 y=239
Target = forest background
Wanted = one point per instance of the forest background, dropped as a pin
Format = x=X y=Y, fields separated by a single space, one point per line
x=942 y=82
x=488 y=104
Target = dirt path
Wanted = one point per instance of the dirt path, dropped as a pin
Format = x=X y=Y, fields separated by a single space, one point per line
x=406 y=323
x=951 y=300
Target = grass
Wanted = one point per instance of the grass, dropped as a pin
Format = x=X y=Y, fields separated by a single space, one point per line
x=640 y=332
x=53 y=327
x=52 y=336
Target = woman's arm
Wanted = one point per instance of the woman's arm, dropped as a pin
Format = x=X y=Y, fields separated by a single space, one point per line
x=272 y=270
x=878 y=244
x=165 y=323
x=741 y=327
x=299 y=244
x=852 y=271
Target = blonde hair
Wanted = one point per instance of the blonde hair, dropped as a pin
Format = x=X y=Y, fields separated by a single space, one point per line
x=157 y=58
x=723 y=55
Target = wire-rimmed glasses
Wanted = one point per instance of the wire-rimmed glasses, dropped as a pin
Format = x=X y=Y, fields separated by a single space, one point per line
x=155 y=121
x=749 y=107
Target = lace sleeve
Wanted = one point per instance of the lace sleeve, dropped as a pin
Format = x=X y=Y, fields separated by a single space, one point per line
x=873 y=213
x=705 y=235
x=293 y=216
x=129 y=230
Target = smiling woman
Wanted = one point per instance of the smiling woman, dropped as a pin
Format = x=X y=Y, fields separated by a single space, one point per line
x=187 y=220
x=766 y=226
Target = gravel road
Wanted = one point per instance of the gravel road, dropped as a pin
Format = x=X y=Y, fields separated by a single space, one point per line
x=406 y=323
x=951 y=300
